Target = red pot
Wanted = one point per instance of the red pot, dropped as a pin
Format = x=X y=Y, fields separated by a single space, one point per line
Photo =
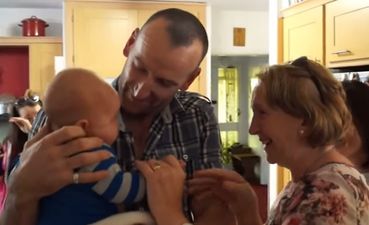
x=33 y=26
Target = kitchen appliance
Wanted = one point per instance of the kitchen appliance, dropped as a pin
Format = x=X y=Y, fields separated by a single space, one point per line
x=33 y=26
x=6 y=106
x=360 y=73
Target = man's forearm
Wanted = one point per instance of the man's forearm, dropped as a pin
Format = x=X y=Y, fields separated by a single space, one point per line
x=21 y=206
x=18 y=211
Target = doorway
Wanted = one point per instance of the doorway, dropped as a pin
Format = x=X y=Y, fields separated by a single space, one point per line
x=231 y=89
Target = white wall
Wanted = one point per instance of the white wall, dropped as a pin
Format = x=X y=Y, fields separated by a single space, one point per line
x=11 y=17
x=222 y=24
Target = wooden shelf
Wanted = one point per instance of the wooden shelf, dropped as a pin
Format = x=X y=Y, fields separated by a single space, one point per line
x=29 y=40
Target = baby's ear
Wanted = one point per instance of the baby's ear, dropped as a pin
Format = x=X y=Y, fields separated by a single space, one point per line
x=82 y=123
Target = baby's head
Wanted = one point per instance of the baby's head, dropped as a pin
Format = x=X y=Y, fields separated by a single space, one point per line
x=79 y=97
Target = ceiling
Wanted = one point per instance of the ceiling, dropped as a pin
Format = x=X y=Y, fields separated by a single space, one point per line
x=250 y=5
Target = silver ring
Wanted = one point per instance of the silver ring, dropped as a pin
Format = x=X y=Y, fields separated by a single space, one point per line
x=76 y=178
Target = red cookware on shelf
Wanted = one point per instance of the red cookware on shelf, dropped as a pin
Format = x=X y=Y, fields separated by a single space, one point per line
x=33 y=26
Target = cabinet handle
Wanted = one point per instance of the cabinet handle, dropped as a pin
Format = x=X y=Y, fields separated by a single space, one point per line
x=342 y=52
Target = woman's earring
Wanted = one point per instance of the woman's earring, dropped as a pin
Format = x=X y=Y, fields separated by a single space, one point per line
x=301 y=132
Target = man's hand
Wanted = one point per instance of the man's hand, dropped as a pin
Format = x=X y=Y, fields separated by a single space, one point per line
x=46 y=165
x=48 y=161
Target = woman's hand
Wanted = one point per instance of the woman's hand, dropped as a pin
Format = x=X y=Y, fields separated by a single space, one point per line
x=231 y=189
x=208 y=209
x=165 y=183
x=24 y=124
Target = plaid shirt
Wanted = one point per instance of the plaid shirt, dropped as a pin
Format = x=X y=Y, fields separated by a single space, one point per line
x=186 y=128
x=39 y=121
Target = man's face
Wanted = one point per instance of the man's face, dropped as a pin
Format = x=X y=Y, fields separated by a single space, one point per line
x=155 y=70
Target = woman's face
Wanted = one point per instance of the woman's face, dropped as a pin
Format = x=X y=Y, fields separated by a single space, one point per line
x=277 y=130
x=29 y=112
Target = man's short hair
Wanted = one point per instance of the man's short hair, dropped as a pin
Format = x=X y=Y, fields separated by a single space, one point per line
x=183 y=28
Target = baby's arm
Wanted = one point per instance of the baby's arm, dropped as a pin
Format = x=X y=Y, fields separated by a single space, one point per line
x=119 y=186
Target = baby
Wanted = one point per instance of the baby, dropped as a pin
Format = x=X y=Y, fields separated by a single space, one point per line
x=78 y=97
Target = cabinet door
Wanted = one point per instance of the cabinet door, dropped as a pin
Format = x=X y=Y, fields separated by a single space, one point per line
x=144 y=15
x=303 y=35
x=199 y=84
x=41 y=65
x=100 y=34
x=347 y=33
x=14 y=70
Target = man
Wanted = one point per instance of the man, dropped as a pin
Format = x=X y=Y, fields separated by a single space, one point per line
x=157 y=117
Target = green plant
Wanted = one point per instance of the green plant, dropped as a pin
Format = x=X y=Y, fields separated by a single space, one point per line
x=226 y=156
x=226 y=152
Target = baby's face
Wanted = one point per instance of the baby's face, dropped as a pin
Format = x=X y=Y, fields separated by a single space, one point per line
x=108 y=129
x=105 y=122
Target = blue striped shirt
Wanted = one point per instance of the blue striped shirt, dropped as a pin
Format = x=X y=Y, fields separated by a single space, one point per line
x=119 y=186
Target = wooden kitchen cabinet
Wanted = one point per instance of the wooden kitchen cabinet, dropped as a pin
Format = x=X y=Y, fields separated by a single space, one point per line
x=41 y=64
x=96 y=33
x=347 y=33
x=303 y=35
x=41 y=53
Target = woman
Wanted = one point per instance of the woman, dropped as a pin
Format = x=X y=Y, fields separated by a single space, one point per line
x=27 y=108
x=357 y=147
x=11 y=146
x=301 y=118
x=24 y=112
